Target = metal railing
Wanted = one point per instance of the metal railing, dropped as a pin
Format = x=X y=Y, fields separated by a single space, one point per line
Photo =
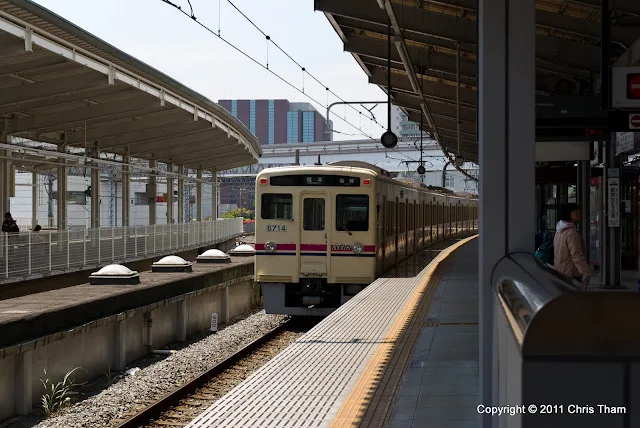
x=29 y=254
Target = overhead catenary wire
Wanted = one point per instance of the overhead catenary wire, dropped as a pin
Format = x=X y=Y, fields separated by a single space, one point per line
x=304 y=70
x=168 y=2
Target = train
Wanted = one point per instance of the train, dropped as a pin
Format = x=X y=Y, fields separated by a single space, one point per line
x=325 y=232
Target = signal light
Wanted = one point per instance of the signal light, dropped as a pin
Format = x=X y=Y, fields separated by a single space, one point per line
x=366 y=182
x=263 y=181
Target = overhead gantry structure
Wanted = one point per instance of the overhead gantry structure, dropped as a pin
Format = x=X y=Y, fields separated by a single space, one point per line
x=434 y=54
x=62 y=85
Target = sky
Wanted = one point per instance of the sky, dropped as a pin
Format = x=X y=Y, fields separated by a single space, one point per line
x=164 y=38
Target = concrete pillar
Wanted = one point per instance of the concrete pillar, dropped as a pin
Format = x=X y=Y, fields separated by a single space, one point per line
x=199 y=194
x=95 y=188
x=148 y=331
x=152 y=191
x=224 y=307
x=62 y=189
x=181 y=328
x=120 y=344
x=24 y=383
x=34 y=199
x=181 y=194
x=170 y=193
x=126 y=190
x=506 y=130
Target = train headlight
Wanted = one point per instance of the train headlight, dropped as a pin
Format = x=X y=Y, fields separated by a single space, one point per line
x=357 y=247
x=270 y=247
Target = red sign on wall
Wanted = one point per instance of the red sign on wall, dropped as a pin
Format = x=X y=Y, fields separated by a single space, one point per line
x=633 y=86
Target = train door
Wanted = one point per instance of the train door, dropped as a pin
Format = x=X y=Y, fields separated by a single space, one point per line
x=381 y=234
x=314 y=254
x=396 y=230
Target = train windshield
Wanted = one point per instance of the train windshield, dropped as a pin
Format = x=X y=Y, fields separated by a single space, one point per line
x=352 y=213
x=277 y=206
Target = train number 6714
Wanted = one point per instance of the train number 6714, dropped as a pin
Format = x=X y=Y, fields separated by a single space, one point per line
x=276 y=228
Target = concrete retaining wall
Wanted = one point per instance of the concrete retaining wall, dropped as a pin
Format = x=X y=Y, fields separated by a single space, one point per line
x=113 y=342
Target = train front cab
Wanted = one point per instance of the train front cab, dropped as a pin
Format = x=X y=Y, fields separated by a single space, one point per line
x=324 y=238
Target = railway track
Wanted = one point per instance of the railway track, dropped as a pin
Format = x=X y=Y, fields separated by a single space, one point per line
x=182 y=405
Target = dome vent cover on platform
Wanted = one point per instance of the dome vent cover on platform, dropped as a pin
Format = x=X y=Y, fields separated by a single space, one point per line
x=172 y=264
x=213 y=256
x=114 y=275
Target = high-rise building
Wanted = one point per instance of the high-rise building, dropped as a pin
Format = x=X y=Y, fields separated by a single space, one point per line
x=402 y=126
x=279 y=121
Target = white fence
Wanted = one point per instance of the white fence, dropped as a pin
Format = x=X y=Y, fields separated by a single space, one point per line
x=29 y=254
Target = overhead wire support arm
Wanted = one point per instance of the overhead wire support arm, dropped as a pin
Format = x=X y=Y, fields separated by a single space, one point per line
x=354 y=102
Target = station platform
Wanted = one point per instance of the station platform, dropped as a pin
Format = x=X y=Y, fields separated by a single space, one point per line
x=36 y=316
x=401 y=353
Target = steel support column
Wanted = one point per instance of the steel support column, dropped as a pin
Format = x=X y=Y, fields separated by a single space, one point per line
x=584 y=193
x=214 y=194
x=126 y=190
x=199 y=195
x=170 y=193
x=506 y=130
x=612 y=242
x=5 y=192
x=61 y=193
x=95 y=188
x=34 y=199
x=152 y=191
x=181 y=194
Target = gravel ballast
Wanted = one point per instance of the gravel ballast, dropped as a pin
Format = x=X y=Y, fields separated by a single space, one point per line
x=134 y=392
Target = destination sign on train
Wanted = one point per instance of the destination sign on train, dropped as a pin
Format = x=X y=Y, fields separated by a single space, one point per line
x=315 y=180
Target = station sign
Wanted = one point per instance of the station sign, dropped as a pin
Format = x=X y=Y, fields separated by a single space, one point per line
x=625 y=87
x=624 y=120
x=624 y=142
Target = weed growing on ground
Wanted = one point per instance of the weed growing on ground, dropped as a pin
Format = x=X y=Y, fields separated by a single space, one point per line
x=57 y=395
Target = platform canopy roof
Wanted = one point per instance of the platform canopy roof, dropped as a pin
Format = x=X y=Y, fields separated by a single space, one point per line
x=60 y=84
x=433 y=40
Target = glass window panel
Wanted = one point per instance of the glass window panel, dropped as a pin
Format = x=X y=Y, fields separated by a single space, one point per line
x=352 y=213
x=313 y=216
x=277 y=206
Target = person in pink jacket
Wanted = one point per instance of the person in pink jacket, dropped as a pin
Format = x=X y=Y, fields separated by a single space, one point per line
x=570 y=258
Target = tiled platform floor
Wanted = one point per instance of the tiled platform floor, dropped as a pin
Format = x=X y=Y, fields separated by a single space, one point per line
x=308 y=383
x=440 y=387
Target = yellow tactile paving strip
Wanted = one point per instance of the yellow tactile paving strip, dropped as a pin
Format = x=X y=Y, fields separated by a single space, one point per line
x=369 y=403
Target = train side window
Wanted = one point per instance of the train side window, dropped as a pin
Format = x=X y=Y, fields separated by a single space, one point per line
x=313 y=214
x=276 y=206
x=352 y=213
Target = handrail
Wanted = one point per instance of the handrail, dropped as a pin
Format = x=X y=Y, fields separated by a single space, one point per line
x=550 y=317
x=29 y=254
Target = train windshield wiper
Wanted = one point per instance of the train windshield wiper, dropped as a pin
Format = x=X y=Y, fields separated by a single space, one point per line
x=347 y=230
